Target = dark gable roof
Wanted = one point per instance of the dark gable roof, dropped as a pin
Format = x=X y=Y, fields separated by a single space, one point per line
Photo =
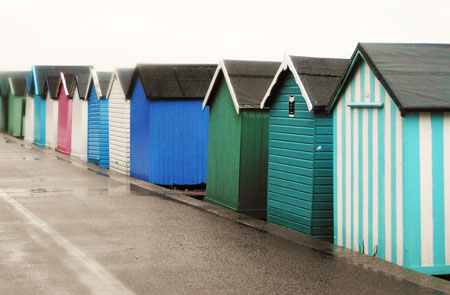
x=125 y=76
x=51 y=82
x=250 y=80
x=79 y=83
x=320 y=77
x=69 y=79
x=18 y=82
x=104 y=78
x=172 y=81
x=416 y=76
x=42 y=72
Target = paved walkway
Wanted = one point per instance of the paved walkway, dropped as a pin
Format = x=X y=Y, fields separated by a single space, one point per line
x=75 y=230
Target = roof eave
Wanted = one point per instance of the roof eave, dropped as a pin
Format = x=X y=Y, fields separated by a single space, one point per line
x=287 y=63
x=221 y=67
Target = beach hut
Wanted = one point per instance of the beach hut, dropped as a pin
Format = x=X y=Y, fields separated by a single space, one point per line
x=29 y=110
x=65 y=88
x=98 y=127
x=119 y=121
x=51 y=111
x=392 y=155
x=39 y=76
x=300 y=167
x=15 y=95
x=12 y=90
x=3 y=102
x=237 y=145
x=78 y=142
x=168 y=130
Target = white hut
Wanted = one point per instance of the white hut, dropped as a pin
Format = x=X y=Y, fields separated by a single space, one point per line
x=51 y=112
x=29 y=112
x=119 y=121
x=79 y=116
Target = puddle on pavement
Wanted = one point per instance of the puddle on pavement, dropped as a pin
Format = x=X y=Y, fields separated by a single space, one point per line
x=63 y=159
x=98 y=172
x=38 y=191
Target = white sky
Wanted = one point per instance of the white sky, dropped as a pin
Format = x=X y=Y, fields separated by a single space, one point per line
x=111 y=33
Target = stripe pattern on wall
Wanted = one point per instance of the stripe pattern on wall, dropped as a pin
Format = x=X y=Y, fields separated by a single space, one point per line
x=390 y=170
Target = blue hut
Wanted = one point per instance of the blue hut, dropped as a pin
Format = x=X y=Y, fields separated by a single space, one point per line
x=168 y=129
x=38 y=90
x=98 y=118
x=300 y=167
x=392 y=155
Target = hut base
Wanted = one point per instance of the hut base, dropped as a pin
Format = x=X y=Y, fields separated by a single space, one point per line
x=255 y=213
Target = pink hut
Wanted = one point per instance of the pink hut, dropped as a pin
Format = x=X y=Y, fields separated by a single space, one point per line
x=64 y=114
x=68 y=87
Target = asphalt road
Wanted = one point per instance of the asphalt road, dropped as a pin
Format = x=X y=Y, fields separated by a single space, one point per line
x=71 y=230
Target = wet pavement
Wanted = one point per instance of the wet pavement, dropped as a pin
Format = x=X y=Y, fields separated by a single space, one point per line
x=75 y=230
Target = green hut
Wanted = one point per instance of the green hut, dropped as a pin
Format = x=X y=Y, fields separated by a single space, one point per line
x=3 y=102
x=236 y=175
x=15 y=92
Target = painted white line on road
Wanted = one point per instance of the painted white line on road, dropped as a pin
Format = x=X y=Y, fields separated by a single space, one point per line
x=91 y=274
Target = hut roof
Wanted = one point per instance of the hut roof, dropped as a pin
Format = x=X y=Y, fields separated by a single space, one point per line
x=40 y=73
x=316 y=77
x=173 y=81
x=101 y=81
x=416 y=76
x=18 y=82
x=124 y=75
x=247 y=81
x=51 y=83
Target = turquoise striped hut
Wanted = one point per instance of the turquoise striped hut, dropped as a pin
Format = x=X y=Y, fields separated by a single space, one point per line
x=300 y=183
x=392 y=155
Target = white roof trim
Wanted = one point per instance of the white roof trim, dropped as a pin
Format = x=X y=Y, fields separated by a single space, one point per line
x=287 y=63
x=64 y=83
x=221 y=67
x=11 y=86
x=93 y=77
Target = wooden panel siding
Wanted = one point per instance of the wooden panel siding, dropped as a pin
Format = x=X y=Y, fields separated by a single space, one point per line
x=253 y=164
x=391 y=191
x=78 y=144
x=119 y=129
x=178 y=142
x=3 y=114
x=98 y=130
x=139 y=134
x=29 y=118
x=300 y=164
x=224 y=150
x=15 y=115
x=51 y=122
x=39 y=120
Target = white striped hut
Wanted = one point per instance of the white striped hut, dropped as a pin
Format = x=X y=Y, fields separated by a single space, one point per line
x=392 y=155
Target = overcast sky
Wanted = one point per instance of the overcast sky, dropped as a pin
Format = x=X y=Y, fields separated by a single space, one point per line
x=110 y=33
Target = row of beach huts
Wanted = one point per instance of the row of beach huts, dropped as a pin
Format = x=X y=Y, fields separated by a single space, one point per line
x=355 y=151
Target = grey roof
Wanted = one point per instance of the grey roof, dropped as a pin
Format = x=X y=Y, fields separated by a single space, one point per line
x=104 y=78
x=125 y=76
x=416 y=76
x=18 y=82
x=42 y=72
x=250 y=80
x=173 y=81
x=50 y=86
x=320 y=77
x=79 y=83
